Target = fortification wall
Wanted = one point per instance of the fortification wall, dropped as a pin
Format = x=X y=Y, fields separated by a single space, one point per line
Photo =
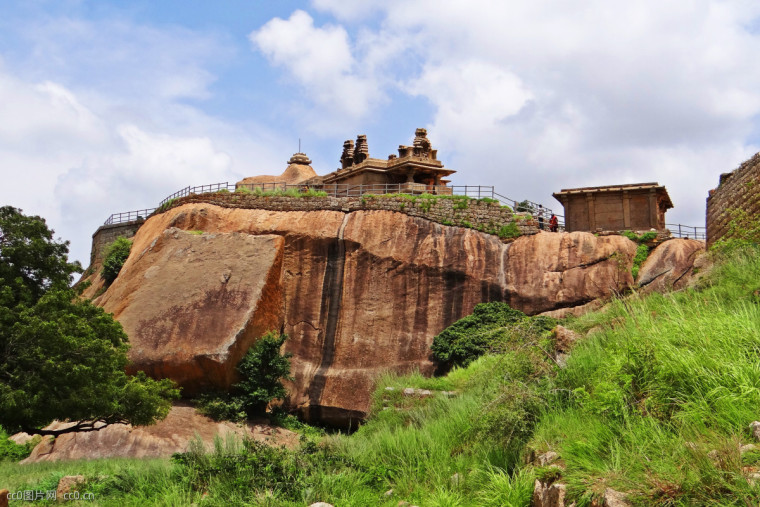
x=736 y=198
x=484 y=216
x=107 y=234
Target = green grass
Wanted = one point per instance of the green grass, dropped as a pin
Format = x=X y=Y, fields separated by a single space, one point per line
x=665 y=370
x=291 y=192
x=645 y=399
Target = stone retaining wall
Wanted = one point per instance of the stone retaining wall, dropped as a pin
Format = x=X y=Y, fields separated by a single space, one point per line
x=484 y=216
x=737 y=197
x=107 y=234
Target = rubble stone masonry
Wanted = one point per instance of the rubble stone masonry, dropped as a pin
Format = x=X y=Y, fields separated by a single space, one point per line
x=738 y=191
x=484 y=216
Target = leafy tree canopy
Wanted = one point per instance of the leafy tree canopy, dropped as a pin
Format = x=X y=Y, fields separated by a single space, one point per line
x=261 y=371
x=61 y=357
x=115 y=256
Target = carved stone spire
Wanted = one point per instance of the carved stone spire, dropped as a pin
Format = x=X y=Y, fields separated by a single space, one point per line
x=361 y=153
x=347 y=158
x=421 y=145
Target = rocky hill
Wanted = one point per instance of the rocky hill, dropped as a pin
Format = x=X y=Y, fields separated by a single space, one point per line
x=358 y=293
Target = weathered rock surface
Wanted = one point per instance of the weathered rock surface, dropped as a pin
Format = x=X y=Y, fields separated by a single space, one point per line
x=358 y=293
x=192 y=304
x=549 y=271
x=670 y=266
x=548 y=495
x=173 y=434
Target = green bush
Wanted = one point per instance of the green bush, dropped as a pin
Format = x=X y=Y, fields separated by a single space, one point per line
x=509 y=231
x=488 y=328
x=261 y=372
x=115 y=256
x=11 y=451
x=642 y=252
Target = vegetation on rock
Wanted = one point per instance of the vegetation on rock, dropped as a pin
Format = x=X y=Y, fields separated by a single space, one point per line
x=115 y=256
x=490 y=328
x=642 y=250
x=61 y=357
x=261 y=371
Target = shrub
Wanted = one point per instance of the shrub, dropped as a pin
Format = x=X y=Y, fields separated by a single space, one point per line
x=642 y=252
x=524 y=206
x=11 y=451
x=261 y=372
x=488 y=328
x=115 y=256
x=509 y=231
x=165 y=206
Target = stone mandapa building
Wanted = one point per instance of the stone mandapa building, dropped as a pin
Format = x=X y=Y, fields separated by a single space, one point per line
x=637 y=206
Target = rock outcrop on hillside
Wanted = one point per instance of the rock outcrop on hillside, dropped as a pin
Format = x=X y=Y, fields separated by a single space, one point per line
x=358 y=293
x=193 y=303
x=670 y=266
x=161 y=440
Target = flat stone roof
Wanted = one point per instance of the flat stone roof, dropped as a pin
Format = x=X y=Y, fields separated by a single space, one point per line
x=617 y=188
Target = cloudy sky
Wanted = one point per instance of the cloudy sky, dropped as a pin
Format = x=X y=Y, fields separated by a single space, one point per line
x=109 y=106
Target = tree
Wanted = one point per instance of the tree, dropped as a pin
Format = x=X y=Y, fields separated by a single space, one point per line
x=115 y=256
x=261 y=372
x=61 y=357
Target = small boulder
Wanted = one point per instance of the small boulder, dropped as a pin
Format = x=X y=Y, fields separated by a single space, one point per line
x=4 y=497
x=564 y=338
x=548 y=495
x=388 y=493
x=755 y=428
x=614 y=498
x=547 y=458
x=747 y=448
x=321 y=504
x=67 y=484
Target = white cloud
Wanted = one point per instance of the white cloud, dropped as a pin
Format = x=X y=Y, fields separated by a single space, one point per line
x=535 y=96
x=95 y=122
x=321 y=61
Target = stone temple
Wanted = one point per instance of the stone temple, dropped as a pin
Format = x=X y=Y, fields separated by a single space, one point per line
x=415 y=170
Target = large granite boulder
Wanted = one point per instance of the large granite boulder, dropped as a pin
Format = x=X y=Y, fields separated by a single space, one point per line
x=670 y=266
x=358 y=293
x=193 y=303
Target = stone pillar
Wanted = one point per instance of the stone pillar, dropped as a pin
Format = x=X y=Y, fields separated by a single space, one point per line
x=653 y=208
x=591 y=212
x=569 y=223
x=626 y=209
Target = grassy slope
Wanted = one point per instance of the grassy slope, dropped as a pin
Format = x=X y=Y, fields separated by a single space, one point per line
x=662 y=382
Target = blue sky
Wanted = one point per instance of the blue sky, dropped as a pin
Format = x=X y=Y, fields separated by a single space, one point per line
x=110 y=106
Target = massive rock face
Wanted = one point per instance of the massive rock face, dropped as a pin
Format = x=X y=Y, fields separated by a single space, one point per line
x=192 y=304
x=358 y=293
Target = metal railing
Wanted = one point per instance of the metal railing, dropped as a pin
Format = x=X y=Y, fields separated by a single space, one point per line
x=341 y=190
x=687 y=231
x=129 y=216
x=202 y=189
